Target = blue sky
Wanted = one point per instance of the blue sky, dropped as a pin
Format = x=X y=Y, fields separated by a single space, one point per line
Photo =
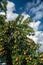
x=31 y=8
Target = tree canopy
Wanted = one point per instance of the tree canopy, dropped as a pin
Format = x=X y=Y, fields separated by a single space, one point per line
x=15 y=46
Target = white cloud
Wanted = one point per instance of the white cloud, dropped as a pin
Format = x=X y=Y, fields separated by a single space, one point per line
x=10 y=6
x=10 y=14
x=35 y=8
x=38 y=15
x=38 y=37
x=36 y=2
x=35 y=25
x=28 y=6
x=2 y=13
x=10 y=9
x=25 y=15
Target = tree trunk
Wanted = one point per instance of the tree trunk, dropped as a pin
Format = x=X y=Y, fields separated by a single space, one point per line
x=8 y=53
x=8 y=58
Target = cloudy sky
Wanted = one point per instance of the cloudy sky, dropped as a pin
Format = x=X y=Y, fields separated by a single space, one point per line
x=31 y=8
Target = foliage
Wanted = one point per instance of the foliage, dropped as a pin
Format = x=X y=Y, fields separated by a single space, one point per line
x=14 y=41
